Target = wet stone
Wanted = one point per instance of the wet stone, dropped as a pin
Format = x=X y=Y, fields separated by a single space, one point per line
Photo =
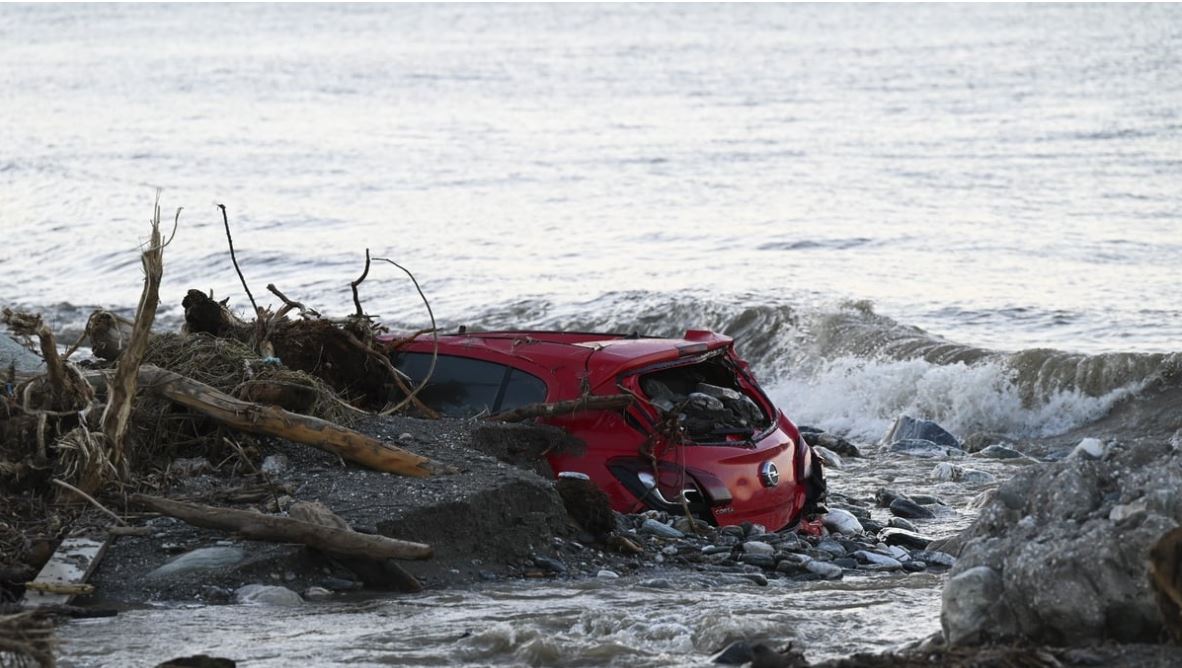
x=761 y=560
x=916 y=447
x=905 y=538
x=549 y=564
x=884 y=496
x=841 y=521
x=757 y=578
x=605 y=574
x=789 y=567
x=791 y=541
x=914 y=566
x=757 y=548
x=827 y=570
x=830 y=458
x=734 y=531
x=926 y=500
x=871 y=526
x=201 y=559
x=848 y=563
x=651 y=526
x=256 y=594
x=735 y=654
x=878 y=561
x=316 y=593
x=934 y=558
x=908 y=509
x=900 y=523
x=832 y=547
x=716 y=549
x=962 y=474
x=1000 y=452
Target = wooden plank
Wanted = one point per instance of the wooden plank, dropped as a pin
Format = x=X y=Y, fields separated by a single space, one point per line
x=68 y=569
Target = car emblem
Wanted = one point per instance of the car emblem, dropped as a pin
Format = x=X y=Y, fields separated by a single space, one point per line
x=769 y=475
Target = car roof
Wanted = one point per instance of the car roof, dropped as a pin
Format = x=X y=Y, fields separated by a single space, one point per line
x=604 y=355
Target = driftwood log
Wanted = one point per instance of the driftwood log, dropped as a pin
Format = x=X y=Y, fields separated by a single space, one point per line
x=590 y=403
x=272 y=528
x=381 y=573
x=273 y=421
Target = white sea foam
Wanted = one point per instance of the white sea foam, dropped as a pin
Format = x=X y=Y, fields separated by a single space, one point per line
x=860 y=397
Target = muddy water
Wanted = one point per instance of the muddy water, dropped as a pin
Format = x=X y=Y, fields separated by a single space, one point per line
x=660 y=618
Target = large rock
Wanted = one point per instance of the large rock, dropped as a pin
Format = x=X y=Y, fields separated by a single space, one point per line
x=907 y=427
x=16 y=355
x=969 y=599
x=1070 y=557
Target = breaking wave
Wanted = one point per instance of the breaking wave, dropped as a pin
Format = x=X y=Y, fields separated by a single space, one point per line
x=848 y=369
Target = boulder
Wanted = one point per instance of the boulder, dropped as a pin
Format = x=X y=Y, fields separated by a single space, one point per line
x=907 y=427
x=968 y=601
x=1059 y=555
x=14 y=354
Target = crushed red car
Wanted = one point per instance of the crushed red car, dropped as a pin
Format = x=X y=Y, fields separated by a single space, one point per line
x=700 y=432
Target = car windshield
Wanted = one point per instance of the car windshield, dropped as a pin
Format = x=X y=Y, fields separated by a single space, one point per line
x=711 y=403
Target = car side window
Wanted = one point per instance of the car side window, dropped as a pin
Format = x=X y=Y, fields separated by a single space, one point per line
x=463 y=387
x=521 y=390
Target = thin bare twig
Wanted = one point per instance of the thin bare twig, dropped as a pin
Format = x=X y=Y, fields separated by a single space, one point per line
x=434 y=333
x=354 y=284
x=91 y=499
x=230 y=240
x=304 y=310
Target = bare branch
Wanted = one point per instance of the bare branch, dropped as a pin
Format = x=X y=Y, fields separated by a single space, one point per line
x=230 y=241
x=354 y=284
x=434 y=333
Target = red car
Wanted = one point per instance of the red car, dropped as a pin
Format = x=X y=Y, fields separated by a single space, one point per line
x=699 y=433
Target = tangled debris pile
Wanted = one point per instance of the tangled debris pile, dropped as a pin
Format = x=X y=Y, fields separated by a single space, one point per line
x=77 y=440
